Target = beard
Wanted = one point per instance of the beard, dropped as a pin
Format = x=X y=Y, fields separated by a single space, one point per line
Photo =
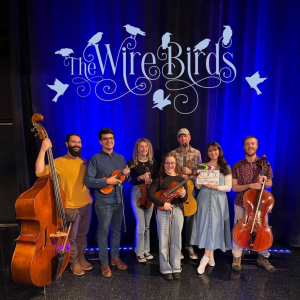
x=251 y=152
x=74 y=152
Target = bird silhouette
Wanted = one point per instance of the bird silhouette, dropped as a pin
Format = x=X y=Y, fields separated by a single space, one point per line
x=202 y=45
x=160 y=100
x=134 y=31
x=65 y=52
x=165 y=40
x=254 y=80
x=95 y=39
x=227 y=34
x=59 y=87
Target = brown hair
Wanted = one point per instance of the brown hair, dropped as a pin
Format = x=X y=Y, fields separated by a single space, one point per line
x=224 y=168
x=162 y=173
x=150 y=150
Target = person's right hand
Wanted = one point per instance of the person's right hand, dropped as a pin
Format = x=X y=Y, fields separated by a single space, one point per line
x=113 y=181
x=255 y=186
x=46 y=144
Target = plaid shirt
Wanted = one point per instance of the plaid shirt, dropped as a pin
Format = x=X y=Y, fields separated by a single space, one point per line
x=193 y=157
x=246 y=173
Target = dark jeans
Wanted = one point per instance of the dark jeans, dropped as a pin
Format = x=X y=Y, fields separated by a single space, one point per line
x=109 y=215
x=79 y=230
x=188 y=231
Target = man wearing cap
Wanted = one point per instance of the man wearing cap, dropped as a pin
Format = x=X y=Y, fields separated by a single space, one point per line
x=193 y=158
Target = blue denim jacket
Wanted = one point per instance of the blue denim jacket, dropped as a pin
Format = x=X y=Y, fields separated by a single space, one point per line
x=103 y=165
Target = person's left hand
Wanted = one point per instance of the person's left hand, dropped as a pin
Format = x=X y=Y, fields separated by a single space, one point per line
x=211 y=186
x=126 y=171
x=182 y=193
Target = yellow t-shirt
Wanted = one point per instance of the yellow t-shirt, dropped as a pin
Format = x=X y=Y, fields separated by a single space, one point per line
x=70 y=172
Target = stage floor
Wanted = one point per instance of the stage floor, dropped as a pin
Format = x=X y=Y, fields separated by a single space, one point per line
x=144 y=281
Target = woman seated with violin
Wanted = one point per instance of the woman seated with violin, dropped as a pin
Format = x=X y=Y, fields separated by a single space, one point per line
x=169 y=215
x=142 y=208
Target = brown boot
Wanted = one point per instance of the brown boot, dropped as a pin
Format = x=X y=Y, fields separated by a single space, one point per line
x=119 y=263
x=264 y=262
x=105 y=269
x=236 y=264
x=85 y=265
x=77 y=269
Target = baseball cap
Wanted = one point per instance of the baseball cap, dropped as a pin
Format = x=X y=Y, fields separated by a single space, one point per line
x=183 y=131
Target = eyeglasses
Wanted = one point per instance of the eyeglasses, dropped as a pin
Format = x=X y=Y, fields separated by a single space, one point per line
x=108 y=139
x=169 y=163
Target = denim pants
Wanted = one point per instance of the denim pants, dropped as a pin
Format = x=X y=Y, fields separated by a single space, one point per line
x=79 y=230
x=109 y=215
x=162 y=218
x=142 y=217
x=236 y=249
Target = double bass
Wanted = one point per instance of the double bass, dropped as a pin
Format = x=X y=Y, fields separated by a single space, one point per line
x=42 y=249
x=252 y=231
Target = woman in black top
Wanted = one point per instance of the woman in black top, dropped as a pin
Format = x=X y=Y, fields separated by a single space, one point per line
x=143 y=155
x=168 y=173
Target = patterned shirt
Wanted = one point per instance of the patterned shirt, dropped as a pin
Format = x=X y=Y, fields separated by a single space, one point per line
x=246 y=173
x=193 y=157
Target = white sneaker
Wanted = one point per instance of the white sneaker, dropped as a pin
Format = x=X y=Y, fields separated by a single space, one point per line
x=148 y=255
x=202 y=265
x=141 y=258
x=211 y=259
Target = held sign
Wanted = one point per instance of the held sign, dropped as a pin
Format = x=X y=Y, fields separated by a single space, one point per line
x=208 y=177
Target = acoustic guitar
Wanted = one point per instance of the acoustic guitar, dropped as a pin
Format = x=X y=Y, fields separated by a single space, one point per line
x=190 y=205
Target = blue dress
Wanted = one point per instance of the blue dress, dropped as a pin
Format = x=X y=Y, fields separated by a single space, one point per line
x=211 y=226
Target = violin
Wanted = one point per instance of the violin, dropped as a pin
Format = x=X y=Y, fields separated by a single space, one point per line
x=42 y=249
x=119 y=175
x=143 y=202
x=252 y=231
x=173 y=191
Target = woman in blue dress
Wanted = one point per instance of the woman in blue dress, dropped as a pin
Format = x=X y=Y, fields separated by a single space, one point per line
x=211 y=228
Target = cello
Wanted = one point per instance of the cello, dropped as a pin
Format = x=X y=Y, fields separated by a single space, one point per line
x=143 y=202
x=42 y=249
x=252 y=231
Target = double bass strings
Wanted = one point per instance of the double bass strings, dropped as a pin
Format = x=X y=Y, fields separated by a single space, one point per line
x=56 y=189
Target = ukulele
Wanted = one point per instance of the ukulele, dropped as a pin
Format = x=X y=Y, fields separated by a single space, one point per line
x=119 y=175
x=190 y=205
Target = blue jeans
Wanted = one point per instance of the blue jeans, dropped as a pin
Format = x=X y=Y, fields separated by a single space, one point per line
x=109 y=215
x=162 y=218
x=142 y=217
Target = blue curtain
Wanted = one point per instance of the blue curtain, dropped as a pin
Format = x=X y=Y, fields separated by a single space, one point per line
x=264 y=39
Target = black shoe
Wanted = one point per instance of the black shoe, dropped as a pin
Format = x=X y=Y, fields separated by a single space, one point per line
x=176 y=275
x=168 y=276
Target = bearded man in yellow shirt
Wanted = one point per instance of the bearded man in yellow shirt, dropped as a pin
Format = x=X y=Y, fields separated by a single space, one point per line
x=70 y=170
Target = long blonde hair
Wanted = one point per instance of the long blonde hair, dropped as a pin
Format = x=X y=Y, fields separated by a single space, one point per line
x=136 y=153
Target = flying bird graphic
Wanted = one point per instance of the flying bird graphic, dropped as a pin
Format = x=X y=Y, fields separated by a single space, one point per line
x=254 y=80
x=65 y=52
x=134 y=31
x=202 y=45
x=227 y=34
x=95 y=39
x=59 y=87
x=160 y=100
x=165 y=40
